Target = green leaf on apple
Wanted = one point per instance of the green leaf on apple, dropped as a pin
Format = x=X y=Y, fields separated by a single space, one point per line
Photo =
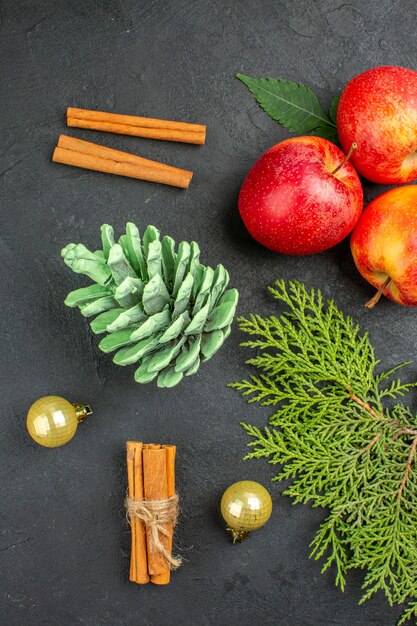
x=333 y=107
x=327 y=132
x=294 y=106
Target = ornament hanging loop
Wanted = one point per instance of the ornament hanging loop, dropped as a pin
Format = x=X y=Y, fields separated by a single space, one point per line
x=238 y=535
x=82 y=410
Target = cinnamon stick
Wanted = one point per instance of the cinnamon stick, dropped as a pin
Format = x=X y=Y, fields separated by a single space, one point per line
x=94 y=149
x=78 y=153
x=155 y=488
x=138 y=560
x=163 y=579
x=154 y=173
x=136 y=126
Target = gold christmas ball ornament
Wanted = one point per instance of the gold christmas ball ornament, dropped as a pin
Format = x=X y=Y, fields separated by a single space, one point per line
x=52 y=421
x=245 y=506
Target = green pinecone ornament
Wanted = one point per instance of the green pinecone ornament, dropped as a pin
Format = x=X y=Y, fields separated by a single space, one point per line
x=161 y=309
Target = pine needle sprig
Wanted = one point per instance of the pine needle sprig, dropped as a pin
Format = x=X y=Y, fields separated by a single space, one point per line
x=341 y=436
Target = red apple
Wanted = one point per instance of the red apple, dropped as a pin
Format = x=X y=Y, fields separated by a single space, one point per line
x=378 y=111
x=384 y=245
x=294 y=202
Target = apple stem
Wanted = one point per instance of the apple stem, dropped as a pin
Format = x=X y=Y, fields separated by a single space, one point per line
x=346 y=159
x=372 y=302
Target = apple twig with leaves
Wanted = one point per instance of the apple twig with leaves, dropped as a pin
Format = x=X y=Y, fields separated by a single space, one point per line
x=339 y=437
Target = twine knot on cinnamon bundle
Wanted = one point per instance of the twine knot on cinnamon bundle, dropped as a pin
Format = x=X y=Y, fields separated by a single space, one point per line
x=156 y=515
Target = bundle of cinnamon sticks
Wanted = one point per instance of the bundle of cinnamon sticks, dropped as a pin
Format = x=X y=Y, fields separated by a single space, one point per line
x=78 y=153
x=151 y=505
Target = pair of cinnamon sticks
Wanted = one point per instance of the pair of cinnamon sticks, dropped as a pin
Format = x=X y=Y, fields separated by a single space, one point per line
x=78 y=153
x=151 y=476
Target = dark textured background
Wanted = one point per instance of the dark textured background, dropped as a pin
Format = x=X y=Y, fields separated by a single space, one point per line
x=64 y=543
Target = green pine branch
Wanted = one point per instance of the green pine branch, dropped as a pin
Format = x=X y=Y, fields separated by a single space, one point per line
x=335 y=439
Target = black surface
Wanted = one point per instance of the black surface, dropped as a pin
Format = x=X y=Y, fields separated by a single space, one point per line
x=64 y=543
